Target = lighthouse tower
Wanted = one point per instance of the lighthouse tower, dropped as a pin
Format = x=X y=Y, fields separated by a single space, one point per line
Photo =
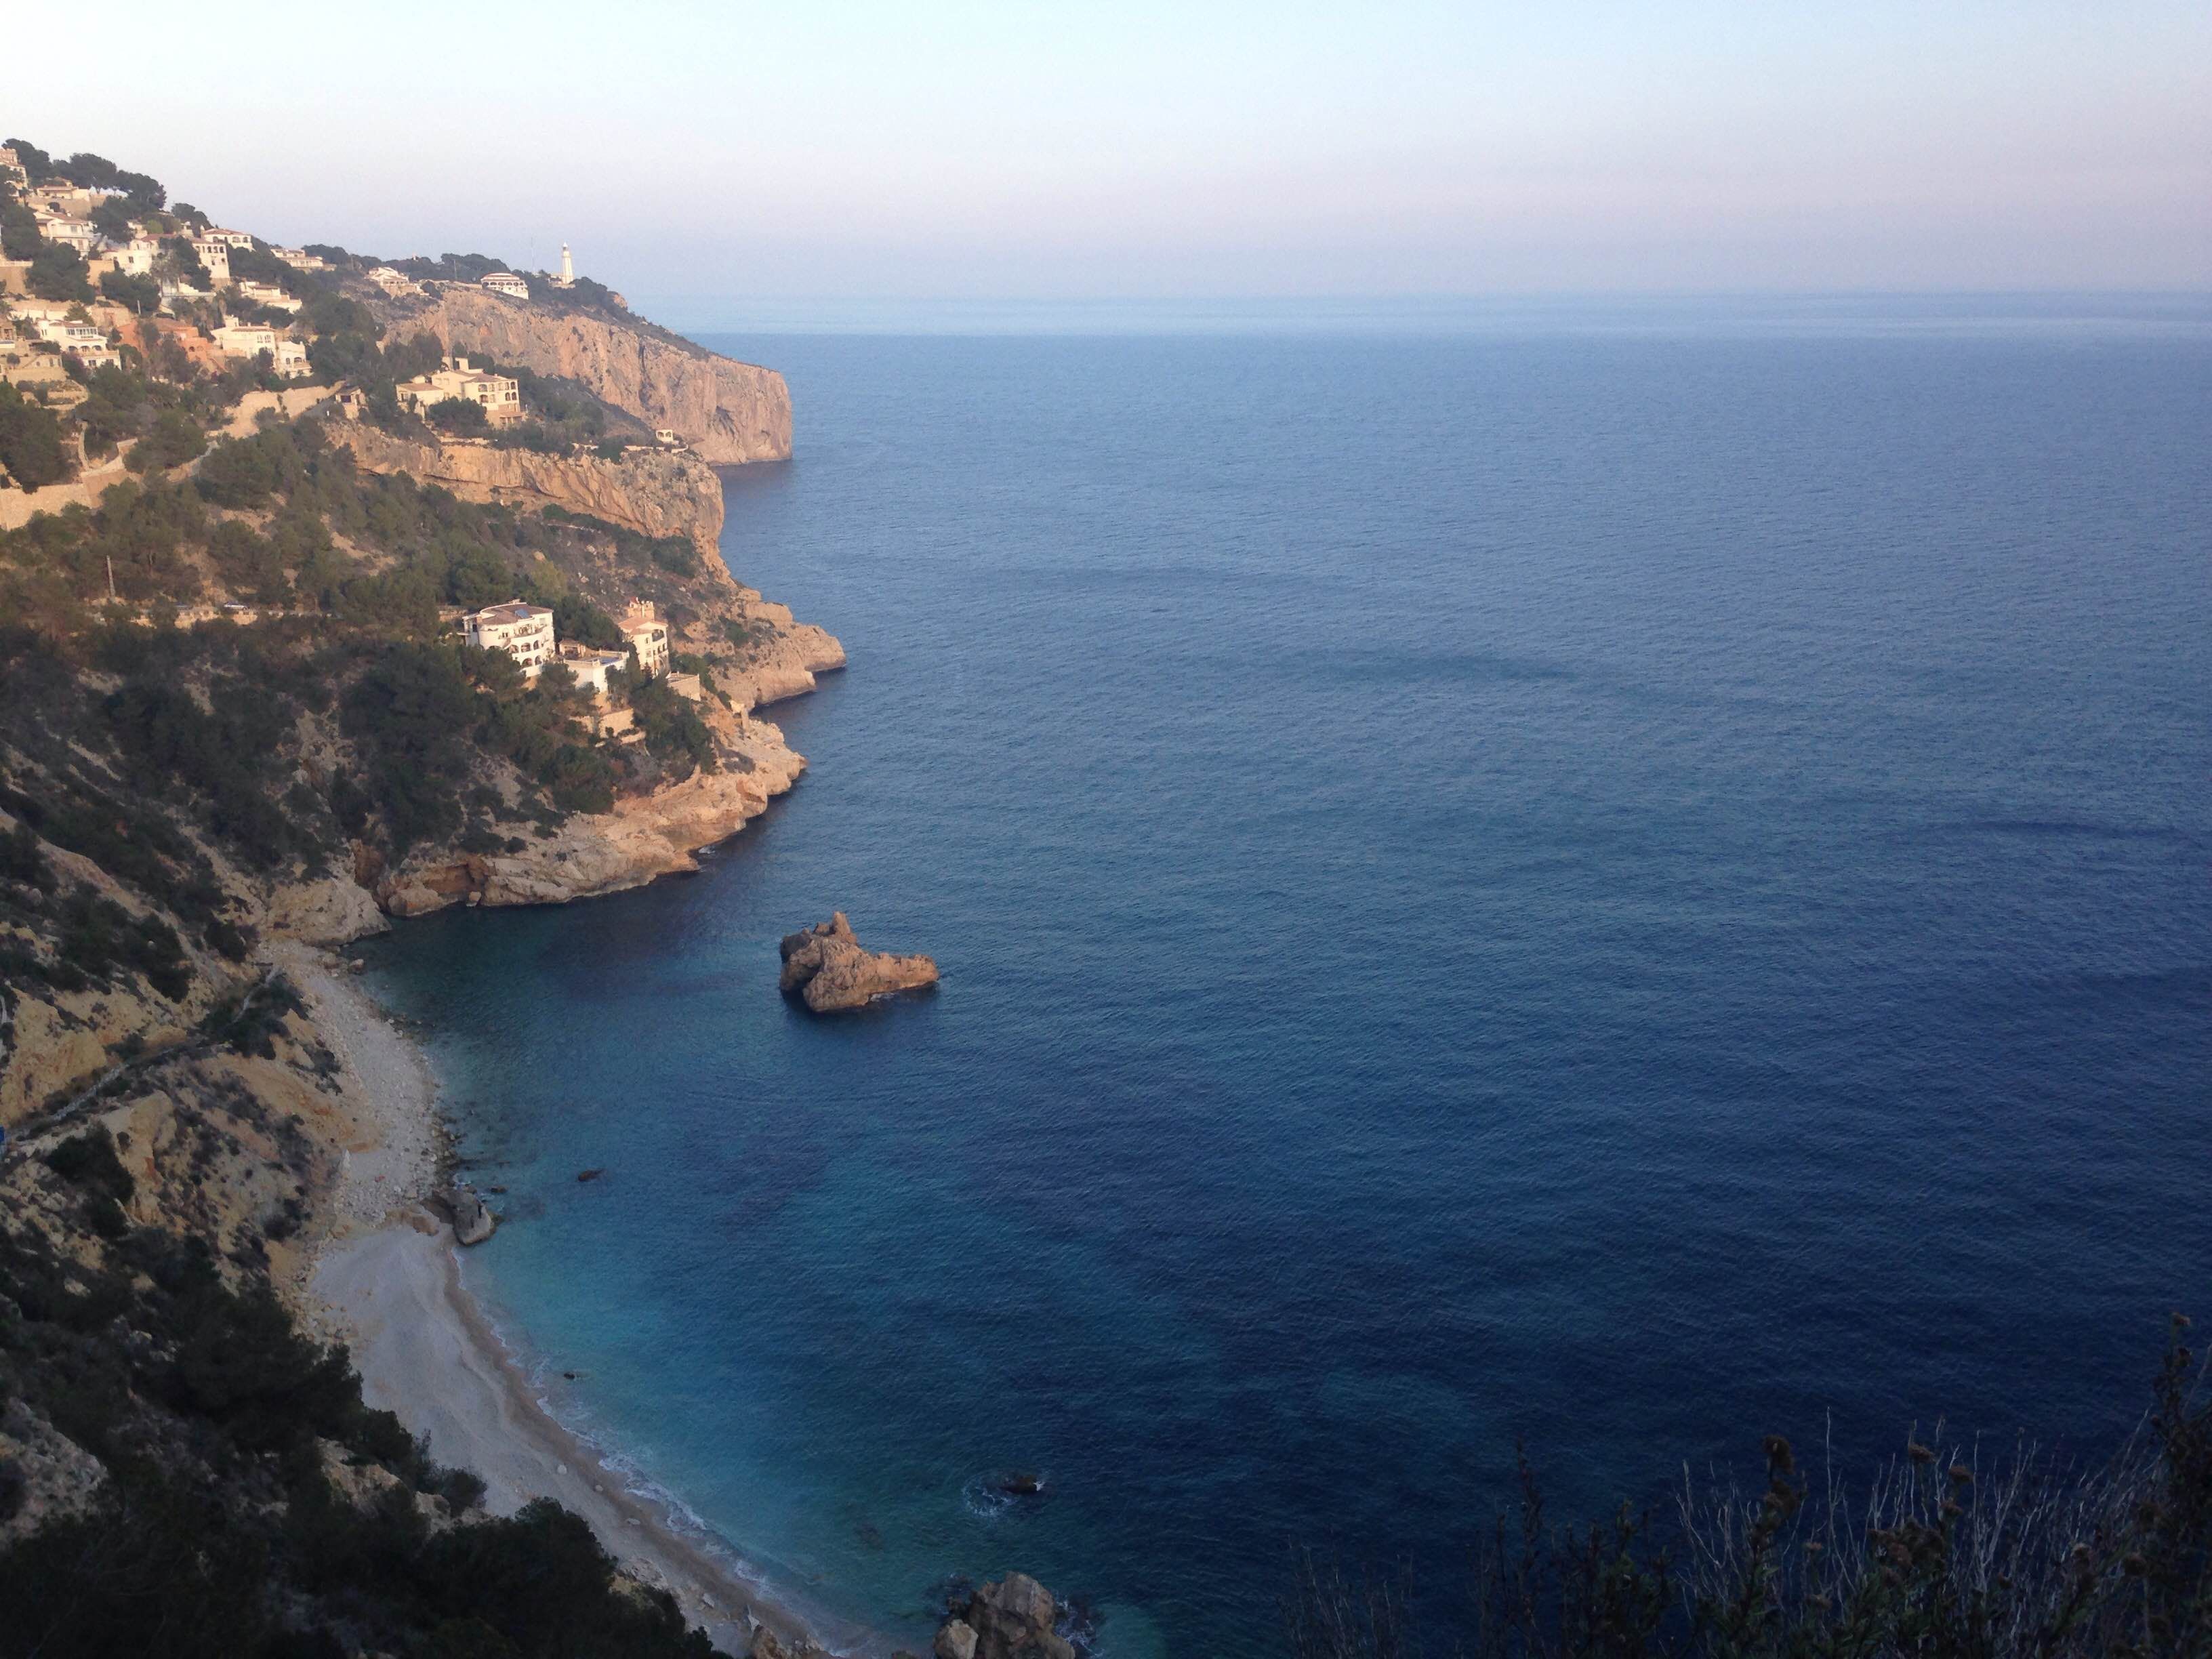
x=567 y=277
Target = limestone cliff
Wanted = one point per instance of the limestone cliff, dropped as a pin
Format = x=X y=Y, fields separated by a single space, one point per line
x=641 y=840
x=729 y=411
x=654 y=492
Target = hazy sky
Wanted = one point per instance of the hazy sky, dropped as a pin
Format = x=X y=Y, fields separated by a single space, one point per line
x=1230 y=149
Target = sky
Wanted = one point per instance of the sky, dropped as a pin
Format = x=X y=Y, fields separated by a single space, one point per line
x=1139 y=150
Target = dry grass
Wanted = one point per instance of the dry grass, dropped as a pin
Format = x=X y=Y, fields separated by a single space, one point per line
x=1944 y=1552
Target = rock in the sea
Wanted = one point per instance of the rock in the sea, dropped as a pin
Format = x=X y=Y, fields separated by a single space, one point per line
x=826 y=966
x=1012 y=1619
x=473 y=1222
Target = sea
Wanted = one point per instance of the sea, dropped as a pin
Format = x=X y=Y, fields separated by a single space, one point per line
x=1589 y=880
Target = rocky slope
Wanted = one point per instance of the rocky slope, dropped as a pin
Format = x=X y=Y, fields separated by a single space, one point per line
x=653 y=492
x=729 y=411
x=641 y=840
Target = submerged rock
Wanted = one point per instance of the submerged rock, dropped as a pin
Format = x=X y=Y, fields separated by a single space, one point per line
x=827 y=967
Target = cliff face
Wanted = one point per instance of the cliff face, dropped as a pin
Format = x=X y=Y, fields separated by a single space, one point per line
x=639 y=841
x=655 y=492
x=727 y=410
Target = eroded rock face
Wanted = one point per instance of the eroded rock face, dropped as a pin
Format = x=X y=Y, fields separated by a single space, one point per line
x=830 y=971
x=726 y=410
x=1012 y=1619
x=653 y=492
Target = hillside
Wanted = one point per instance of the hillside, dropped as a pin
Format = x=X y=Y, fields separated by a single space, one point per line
x=242 y=715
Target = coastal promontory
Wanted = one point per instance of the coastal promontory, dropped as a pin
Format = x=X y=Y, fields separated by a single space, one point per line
x=728 y=411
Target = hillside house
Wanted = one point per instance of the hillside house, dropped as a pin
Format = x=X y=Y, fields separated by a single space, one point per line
x=246 y=339
x=645 y=634
x=499 y=396
x=215 y=255
x=290 y=359
x=11 y=166
x=394 y=283
x=590 y=665
x=229 y=238
x=525 y=632
x=506 y=282
x=301 y=259
x=136 y=257
x=75 y=234
x=68 y=336
x=268 y=294
x=61 y=200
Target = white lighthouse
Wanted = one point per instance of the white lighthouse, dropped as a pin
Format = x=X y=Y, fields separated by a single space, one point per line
x=567 y=276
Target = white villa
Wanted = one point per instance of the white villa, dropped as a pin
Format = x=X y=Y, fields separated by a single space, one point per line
x=230 y=237
x=301 y=259
x=68 y=336
x=499 y=396
x=268 y=294
x=136 y=257
x=290 y=359
x=506 y=282
x=246 y=339
x=75 y=234
x=645 y=633
x=394 y=283
x=525 y=632
x=215 y=255
x=590 y=665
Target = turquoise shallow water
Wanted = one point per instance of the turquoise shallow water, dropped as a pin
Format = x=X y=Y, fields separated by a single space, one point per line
x=1627 y=887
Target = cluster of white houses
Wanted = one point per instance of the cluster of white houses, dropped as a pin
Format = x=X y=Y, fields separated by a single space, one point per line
x=398 y=284
x=63 y=213
x=525 y=632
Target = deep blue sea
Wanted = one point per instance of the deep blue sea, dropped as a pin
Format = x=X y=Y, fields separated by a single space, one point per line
x=1623 y=882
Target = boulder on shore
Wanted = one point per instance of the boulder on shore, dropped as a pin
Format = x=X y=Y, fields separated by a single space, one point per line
x=473 y=1222
x=829 y=971
x=1012 y=1619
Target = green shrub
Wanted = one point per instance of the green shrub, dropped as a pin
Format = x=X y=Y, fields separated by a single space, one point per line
x=175 y=439
x=88 y=1160
x=462 y=416
x=30 y=441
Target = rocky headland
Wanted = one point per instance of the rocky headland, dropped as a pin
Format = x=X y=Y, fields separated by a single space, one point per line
x=728 y=411
x=829 y=970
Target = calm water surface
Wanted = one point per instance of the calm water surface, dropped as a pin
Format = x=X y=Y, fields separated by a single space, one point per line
x=1624 y=888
